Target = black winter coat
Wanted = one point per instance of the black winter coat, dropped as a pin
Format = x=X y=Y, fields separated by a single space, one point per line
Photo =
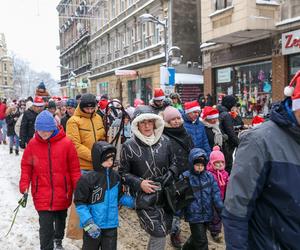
x=181 y=145
x=210 y=137
x=64 y=121
x=11 y=120
x=27 y=126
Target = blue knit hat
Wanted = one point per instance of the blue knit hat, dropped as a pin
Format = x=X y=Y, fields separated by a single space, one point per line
x=45 y=122
x=41 y=86
x=71 y=103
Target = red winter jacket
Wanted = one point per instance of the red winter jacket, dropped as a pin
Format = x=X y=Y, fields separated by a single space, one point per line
x=52 y=168
x=2 y=111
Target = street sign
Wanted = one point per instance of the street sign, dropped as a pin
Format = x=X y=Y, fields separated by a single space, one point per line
x=167 y=76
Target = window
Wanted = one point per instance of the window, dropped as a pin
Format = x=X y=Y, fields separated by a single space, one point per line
x=5 y=80
x=222 y=4
x=113 y=8
x=5 y=68
x=102 y=88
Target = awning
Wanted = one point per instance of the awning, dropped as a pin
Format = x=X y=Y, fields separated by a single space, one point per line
x=181 y=78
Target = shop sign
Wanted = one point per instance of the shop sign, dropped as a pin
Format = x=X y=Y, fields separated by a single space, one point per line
x=291 y=42
x=224 y=75
x=123 y=72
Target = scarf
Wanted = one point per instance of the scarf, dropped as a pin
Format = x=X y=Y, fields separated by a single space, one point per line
x=180 y=136
x=149 y=140
x=218 y=138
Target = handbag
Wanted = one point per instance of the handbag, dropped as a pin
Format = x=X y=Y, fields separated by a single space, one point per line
x=179 y=194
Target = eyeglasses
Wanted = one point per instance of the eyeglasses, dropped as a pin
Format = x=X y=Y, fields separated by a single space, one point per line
x=146 y=122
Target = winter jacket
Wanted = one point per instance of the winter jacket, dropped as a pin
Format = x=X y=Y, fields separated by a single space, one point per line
x=84 y=130
x=64 y=121
x=221 y=177
x=181 y=145
x=11 y=120
x=197 y=131
x=206 y=192
x=262 y=200
x=142 y=160
x=2 y=110
x=97 y=193
x=51 y=167
x=27 y=126
x=155 y=108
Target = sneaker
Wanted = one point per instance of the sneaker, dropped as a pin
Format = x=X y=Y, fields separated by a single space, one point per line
x=217 y=238
x=58 y=245
x=175 y=240
x=10 y=150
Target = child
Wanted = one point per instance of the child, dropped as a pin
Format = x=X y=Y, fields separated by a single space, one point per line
x=216 y=166
x=96 y=200
x=50 y=165
x=207 y=195
x=12 y=115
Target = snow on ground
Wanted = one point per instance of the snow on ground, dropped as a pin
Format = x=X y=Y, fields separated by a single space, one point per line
x=24 y=234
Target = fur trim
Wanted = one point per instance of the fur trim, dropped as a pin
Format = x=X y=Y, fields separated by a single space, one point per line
x=158 y=130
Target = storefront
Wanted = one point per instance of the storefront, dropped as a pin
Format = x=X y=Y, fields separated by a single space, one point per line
x=250 y=83
x=291 y=49
x=145 y=92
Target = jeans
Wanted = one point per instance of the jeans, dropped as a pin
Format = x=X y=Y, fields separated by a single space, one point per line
x=3 y=130
x=156 y=243
x=14 y=139
x=107 y=240
x=198 y=238
x=52 y=226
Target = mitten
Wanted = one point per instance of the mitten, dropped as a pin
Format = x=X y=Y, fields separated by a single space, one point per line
x=92 y=229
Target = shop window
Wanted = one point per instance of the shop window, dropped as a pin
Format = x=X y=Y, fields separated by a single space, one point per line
x=146 y=90
x=294 y=65
x=132 y=91
x=251 y=84
x=102 y=88
x=222 y=4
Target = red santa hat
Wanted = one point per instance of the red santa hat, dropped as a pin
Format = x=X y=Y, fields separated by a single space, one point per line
x=190 y=107
x=293 y=90
x=38 y=101
x=209 y=113
x=159 y=94
x=257 y=120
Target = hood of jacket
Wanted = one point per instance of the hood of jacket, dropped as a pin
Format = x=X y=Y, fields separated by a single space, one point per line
x=158 y=130
x=99 y=150
x=195 y=154
x=80 y=113
x=283 y=116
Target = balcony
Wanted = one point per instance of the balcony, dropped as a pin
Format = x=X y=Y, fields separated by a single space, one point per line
x=243 y=21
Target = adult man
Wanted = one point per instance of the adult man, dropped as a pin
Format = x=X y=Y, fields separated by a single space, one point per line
x=157 y=103
x=85 y=128
x=2 y=122
x=28 y=120
x=194 y=127
x=71 y=106
x=147 y=165
x=262 y=200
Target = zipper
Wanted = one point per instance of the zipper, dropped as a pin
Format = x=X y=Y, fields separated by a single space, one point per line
x=93 y=129
x=51 y=174
x=66 y=186
x=108 y=191
x=36 y=184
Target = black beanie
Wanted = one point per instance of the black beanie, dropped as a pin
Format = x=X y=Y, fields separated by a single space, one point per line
x=229 y=101
x=200 y=160
x=51 y=104
x=87 y=100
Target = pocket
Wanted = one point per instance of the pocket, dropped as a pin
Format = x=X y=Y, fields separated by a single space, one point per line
x=66 y=186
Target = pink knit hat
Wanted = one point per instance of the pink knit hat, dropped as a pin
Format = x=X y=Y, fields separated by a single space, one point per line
x=170 y=113
x=216 y=155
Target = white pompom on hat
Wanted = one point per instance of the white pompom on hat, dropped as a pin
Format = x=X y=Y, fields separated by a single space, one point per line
x=293 y=91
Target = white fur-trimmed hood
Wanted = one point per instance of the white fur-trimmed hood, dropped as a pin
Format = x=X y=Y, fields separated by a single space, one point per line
x=158 y=130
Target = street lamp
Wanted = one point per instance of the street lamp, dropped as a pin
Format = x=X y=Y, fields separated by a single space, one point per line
x=150 y=18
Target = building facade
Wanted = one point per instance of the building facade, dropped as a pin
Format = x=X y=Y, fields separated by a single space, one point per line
x=74 y=34
x=6 y=70
x=248 y=50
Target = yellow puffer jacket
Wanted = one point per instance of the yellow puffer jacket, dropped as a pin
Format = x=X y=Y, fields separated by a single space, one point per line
x=84 y=130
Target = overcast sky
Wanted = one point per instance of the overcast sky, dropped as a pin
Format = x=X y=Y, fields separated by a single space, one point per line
x=31 y=32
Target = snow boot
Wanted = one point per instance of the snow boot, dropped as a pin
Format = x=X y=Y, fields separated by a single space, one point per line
x=58 y=245
x=10 y=150
x=17 y=151
x=175 y=240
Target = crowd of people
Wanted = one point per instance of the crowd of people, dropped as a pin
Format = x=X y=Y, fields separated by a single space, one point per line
x=238 y=177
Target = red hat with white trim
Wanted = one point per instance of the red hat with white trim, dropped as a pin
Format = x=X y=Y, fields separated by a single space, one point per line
x=38 y=101
x=257 y=120
x=294 y=92
x=209 y=113
x=190 y=107
x=159 y=94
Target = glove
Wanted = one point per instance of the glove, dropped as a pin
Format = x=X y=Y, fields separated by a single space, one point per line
x=92 y=229
x=127 y=201
x=22 y=145
x=23 y=200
